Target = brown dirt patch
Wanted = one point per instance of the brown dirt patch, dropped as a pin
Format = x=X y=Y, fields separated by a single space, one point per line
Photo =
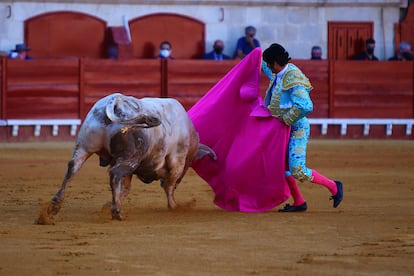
x=371 y=233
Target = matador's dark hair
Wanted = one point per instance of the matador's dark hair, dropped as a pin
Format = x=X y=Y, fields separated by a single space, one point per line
x=276 y=53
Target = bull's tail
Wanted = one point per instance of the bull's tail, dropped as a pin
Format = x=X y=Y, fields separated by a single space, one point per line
x=204 y=150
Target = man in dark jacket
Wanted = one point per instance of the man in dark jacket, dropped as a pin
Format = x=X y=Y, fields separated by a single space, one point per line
x=369 y=51
x=217 y=53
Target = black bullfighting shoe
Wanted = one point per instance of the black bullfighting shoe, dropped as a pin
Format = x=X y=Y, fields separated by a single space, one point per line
x=290 y=208
x=339 y=195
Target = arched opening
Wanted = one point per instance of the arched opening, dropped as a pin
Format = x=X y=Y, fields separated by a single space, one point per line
x=184 y=33
x=65 y=34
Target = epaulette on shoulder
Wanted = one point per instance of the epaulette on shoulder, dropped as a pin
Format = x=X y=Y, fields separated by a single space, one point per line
x=294 y=77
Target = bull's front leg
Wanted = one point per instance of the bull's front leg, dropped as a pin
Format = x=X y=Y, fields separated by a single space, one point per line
x=119 y=177
x=79 y=157
x=54 y=206
x=126 y=187
x=116 y=183
x=169 y=188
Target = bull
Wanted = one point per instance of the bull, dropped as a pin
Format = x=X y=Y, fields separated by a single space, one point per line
x=152 y=138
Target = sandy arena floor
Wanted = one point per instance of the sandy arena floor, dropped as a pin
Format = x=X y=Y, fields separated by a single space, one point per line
x=371 y=233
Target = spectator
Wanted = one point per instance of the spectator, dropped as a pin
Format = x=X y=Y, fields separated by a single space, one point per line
x=368 y=54
x=112 y=52
x=403 y=53
x=20 y=52
x=316 y=52
x=165 y=50
x=217 y=53
x=408 y=56
x=246 y=43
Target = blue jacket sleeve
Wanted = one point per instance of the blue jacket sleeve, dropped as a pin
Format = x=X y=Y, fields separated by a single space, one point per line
x=302 y=105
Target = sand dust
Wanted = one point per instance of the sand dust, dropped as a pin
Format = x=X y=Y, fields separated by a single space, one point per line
x=371 y=233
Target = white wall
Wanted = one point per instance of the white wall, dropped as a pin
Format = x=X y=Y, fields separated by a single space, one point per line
x=298 y=25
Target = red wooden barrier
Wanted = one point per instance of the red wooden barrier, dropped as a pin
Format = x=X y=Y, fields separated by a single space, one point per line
x=189 y=80
x=136 y=77
x=41 y=89
x=362 y=89
x=67 y=88
x=318 y=73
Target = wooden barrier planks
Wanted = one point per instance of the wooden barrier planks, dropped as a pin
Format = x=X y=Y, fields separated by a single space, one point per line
x=41 y=89
x=135 y=77
x=189 y=80
x=67 y=88
x=364 y=89
x=318 y=73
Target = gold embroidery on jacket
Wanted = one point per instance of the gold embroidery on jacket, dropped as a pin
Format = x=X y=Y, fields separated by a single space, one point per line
x=291 y=115
x=300 y=174
x=293 y=78
x=274 y=106
x=300 y=133
x=301 y=92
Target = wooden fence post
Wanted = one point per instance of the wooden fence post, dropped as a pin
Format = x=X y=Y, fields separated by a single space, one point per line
x=81 y=80
x=3 y=86
x=331 y=89
x=164 y=78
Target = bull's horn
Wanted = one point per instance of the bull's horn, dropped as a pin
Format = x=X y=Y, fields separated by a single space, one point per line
x=126 y=111
x=204 y=150
x=110 y=109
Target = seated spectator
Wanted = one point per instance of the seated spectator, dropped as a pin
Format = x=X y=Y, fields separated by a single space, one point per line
x=165 y=50
x=217 y=53
x=20 y=52
x=316 y=53
x=246 y=43
x=408 y=56
x=368 y=54
x=403 y=53
x=112 y=52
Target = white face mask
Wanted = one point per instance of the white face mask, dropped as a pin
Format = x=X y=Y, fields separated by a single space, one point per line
x=165 y=53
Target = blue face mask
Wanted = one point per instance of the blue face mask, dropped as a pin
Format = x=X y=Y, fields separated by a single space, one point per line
x=165 y=53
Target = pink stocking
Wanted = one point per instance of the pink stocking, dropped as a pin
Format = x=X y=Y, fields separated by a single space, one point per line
x=295 y=192
x=317 y=178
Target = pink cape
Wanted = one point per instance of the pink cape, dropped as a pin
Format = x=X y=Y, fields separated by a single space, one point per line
x=249 y=173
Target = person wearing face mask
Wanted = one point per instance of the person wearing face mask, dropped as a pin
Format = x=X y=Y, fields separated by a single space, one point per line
x=316 y=53
x=404 y=52
x=165 y=50
x=217 y=53
x=247 y=43
x=20 y=52
x=368 y=54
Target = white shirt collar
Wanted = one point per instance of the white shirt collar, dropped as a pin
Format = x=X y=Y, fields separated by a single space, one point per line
x=281 y=73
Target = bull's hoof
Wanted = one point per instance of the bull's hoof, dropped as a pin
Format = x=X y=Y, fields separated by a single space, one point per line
x=44 y=216
x=172 y=206
x=53 y=208
x=44 y=219
x=116 y=215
